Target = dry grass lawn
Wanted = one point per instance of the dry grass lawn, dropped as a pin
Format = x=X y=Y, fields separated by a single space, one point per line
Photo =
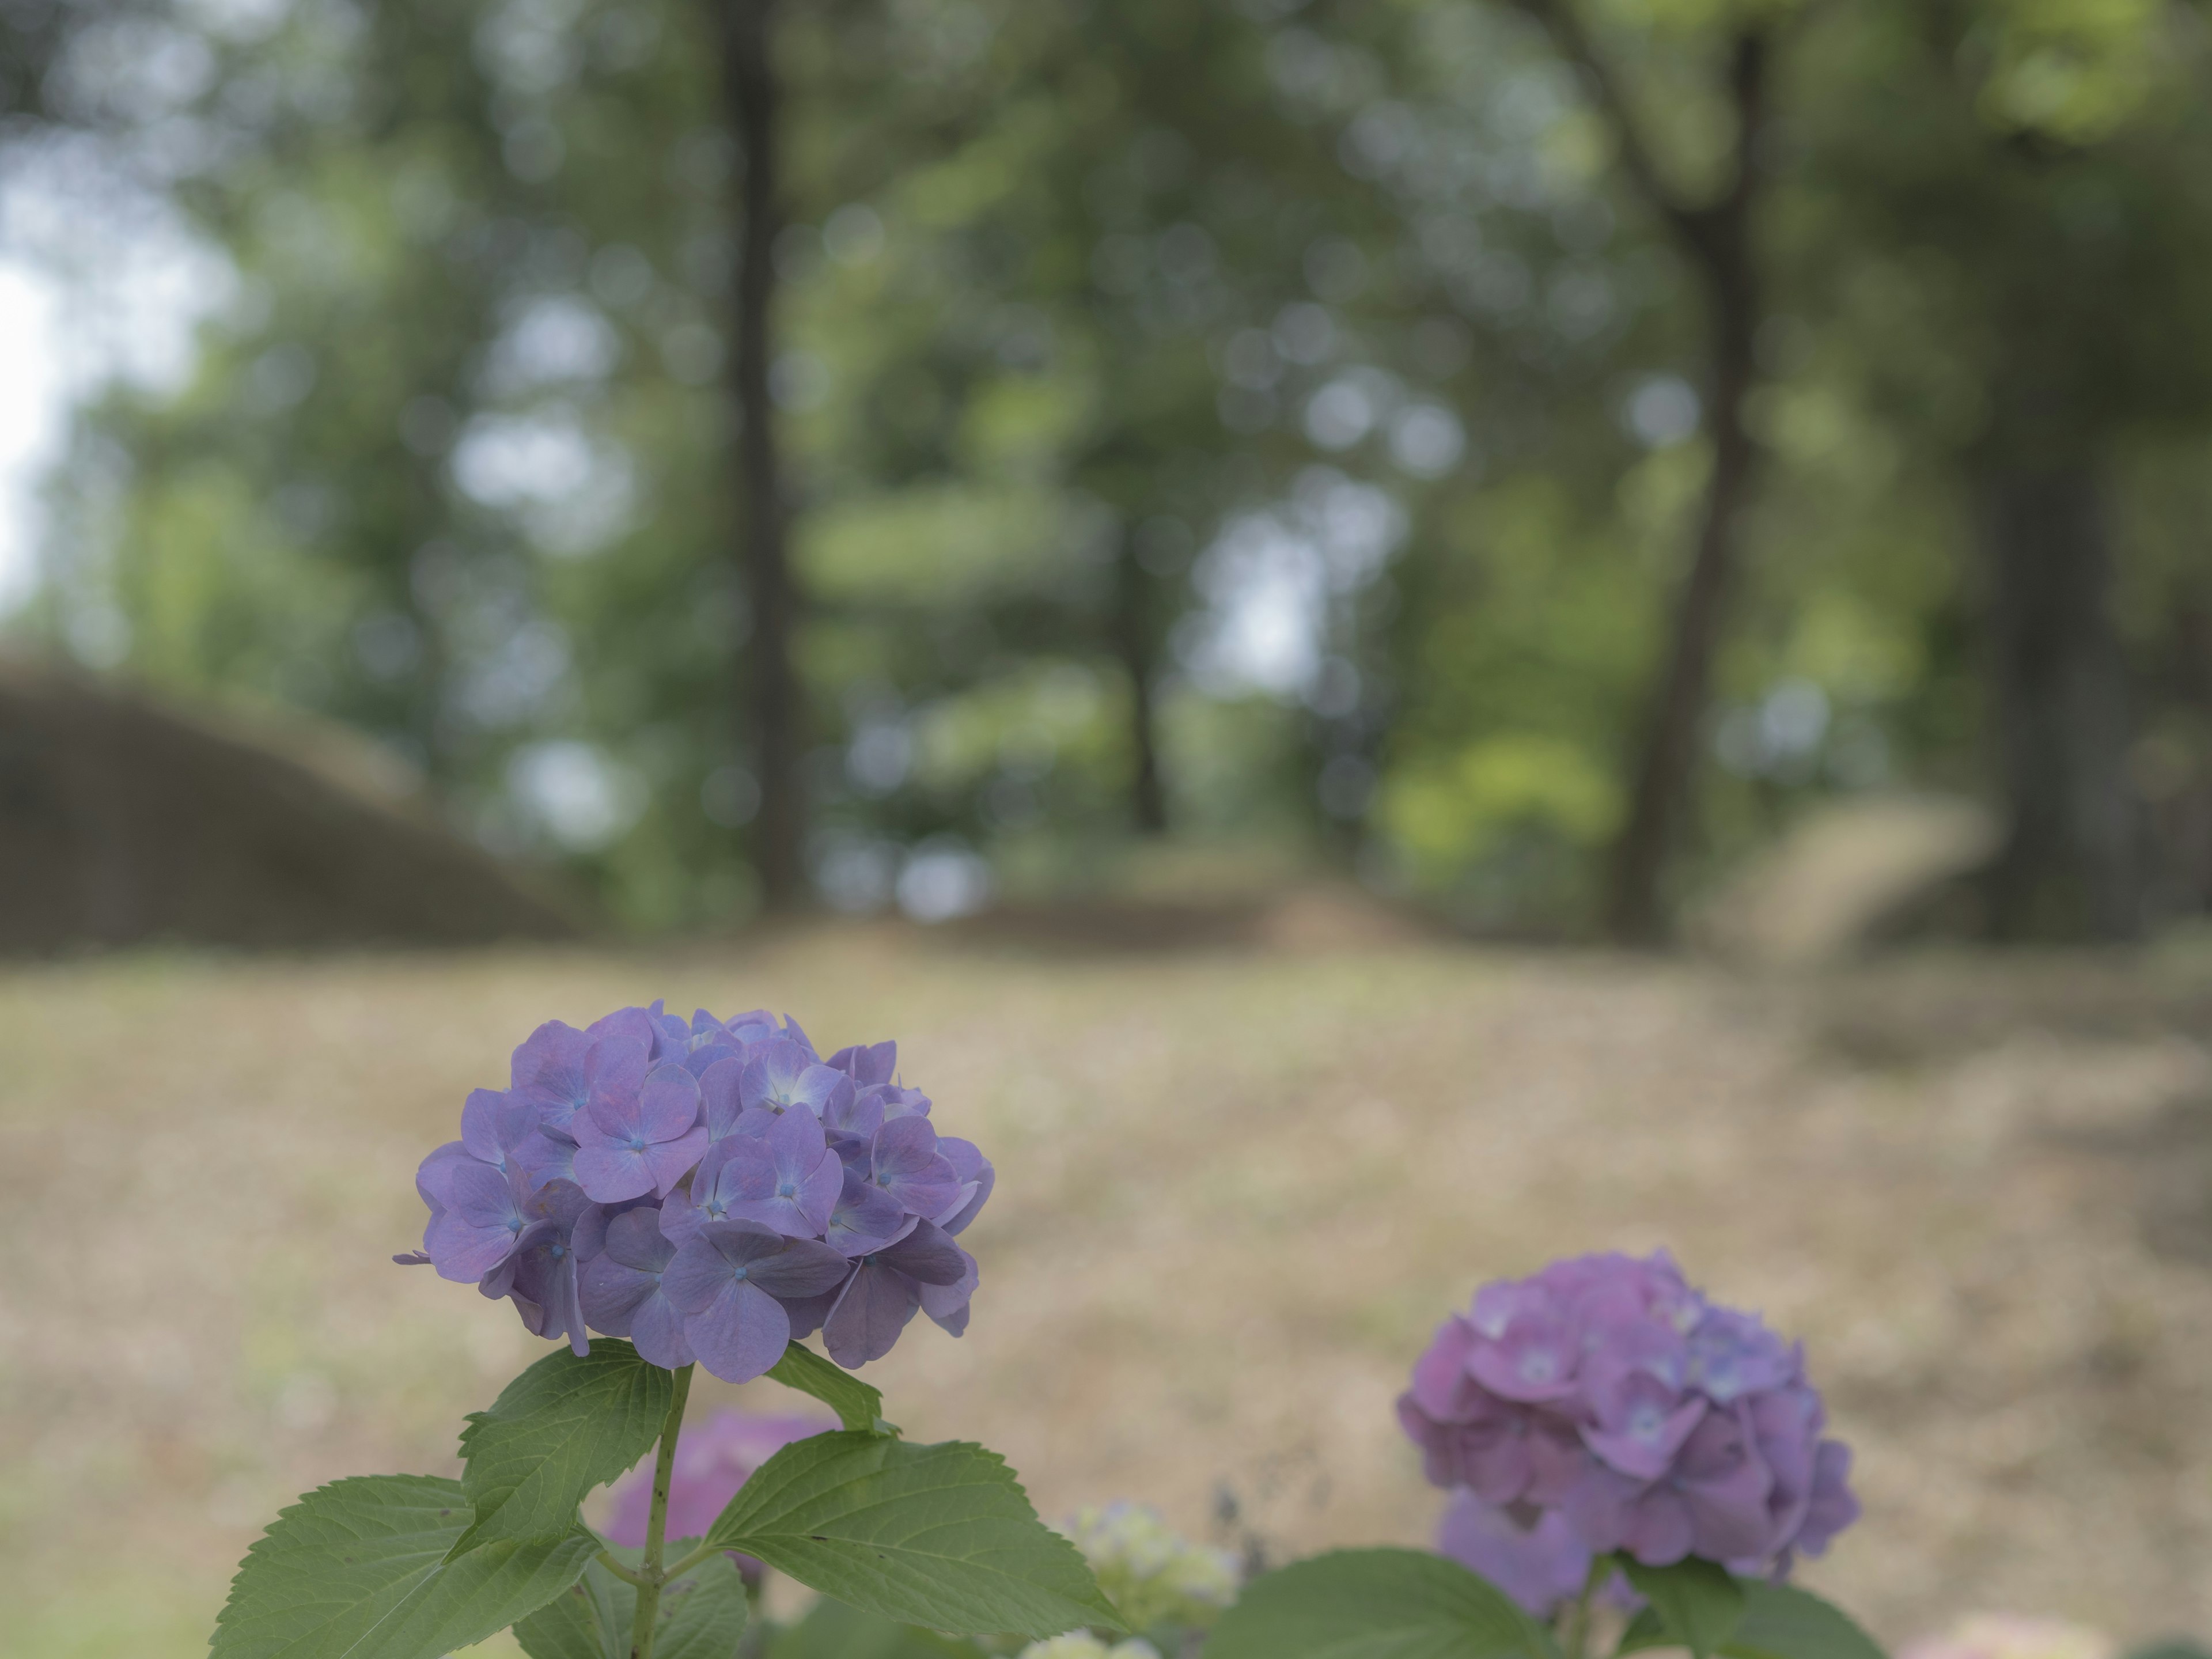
x=1236 y=1189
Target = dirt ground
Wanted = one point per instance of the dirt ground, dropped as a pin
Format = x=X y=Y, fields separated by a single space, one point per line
x=1237 y=1187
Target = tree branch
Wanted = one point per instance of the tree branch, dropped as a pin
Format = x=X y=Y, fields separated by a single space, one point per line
x=1557 y=18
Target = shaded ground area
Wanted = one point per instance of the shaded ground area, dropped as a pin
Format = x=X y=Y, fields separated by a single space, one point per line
x=1236 y=1190
x=125 y=820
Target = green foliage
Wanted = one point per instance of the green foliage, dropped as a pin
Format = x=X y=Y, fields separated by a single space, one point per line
x=1699 y=1603
x=702 y=1614
x=859 y=1406
x=831 y=1630
x=1777 y=1621
x=1039 y=348
x=361 y=1569
x=565 y=1425
x=593 y=1619
x=1376 y=1604
x=941 y=1536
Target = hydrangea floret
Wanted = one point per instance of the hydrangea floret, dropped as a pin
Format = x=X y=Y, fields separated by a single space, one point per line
x=1152 y=1573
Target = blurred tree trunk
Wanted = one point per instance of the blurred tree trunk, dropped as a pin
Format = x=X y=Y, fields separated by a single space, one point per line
x=1717 y=238
x=1136 y=642
x=1667 y=752
x=776 y=709
x=2071 y=866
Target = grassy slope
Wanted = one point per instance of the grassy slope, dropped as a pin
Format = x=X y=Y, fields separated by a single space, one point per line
x=1235 y=1192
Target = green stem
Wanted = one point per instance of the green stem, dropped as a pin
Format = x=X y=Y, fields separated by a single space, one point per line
x=628 y=1574
x=1575 y=1638
x=656 y=1525
x=691 y=1561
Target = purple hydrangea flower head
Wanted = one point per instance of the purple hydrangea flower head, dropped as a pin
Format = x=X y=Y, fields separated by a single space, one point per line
x=628 y=1145
x=709 y=1188
x=713 y=1460
x=727 y=1279
x=1606 y=1396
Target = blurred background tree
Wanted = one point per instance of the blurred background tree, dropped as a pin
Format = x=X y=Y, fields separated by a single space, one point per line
x=1522 y=455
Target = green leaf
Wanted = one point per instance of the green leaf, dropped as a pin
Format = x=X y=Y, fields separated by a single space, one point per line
x=1781 y=1621
x=1646 y=1630
x=562 y=1427
x=941 y=1536
x=359 y=1570
x=591 y=1619
x=1376 y=1604
x=1698 y=1601
x=702 y=1613
x=832 y=1630
x=858 y=1405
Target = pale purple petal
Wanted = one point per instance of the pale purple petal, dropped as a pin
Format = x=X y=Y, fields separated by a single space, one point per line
x=672 y=1160
x=548 y=1072
x=615 y=1068
x=908 y=1165
x=435 y=1172
x=740 y=1332
x=864 y=1064
x=804 y=1267
x=718 y=1091
x=974 y=1171
x=928 y=1257
x=668 y=1105
x=876 y=1305
x=611 y=1173
x=864 y=1218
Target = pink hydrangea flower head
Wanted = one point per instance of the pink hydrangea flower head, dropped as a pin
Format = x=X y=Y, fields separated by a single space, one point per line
x=713 y=1460
x=1603 y=1400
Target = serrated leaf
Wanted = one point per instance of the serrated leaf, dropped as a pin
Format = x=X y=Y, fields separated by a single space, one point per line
x=565 y=1425
x=1699 y=1602
x=1781 y=1621
x=590 y=1619
x=703 y=1614
x=1376 y=1604
x=859 y=1405
x=478 y=1593
x=940 y=1536
x=832 y=1630
x=358 y=1570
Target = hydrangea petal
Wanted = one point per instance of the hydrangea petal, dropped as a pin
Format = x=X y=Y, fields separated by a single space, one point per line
x=876 y=1305
x=867 y=1063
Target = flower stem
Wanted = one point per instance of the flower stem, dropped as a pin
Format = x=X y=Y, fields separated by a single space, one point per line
x=656 y=1524
x=628 y=1574
x=1575 y=1638
x=690 y=1562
